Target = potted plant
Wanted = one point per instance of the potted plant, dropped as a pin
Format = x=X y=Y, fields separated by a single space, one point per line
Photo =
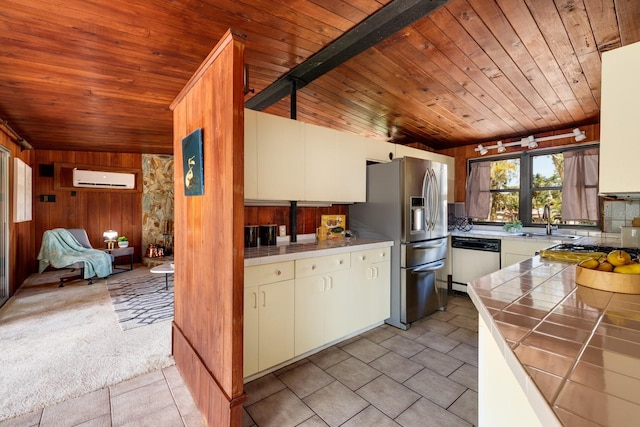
x=123 y=242
x=513 y=227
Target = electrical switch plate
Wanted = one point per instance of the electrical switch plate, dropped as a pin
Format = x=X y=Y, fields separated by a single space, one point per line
x=283 y=230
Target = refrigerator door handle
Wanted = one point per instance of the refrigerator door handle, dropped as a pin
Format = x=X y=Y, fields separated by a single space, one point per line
x=442 y=242
x=429 y=267
x=425 y=190
x=436 y=200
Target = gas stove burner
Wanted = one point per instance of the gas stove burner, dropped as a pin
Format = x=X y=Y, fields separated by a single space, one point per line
x=576 y=247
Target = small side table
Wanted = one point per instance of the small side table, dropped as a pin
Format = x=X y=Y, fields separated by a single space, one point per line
x=166 y=269
x=120 y=252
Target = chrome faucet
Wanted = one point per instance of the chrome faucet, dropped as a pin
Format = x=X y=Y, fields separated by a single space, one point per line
x=546 y=214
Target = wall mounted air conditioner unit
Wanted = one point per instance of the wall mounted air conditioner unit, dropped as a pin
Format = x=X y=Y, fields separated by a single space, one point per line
x=99 y=179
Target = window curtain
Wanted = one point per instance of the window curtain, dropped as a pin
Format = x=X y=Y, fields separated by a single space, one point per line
x=478 y=198
x=580 y=185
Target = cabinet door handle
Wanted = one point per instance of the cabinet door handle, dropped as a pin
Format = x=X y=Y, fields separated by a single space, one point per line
x=375 y=272
x=363 y=257
x=324 y=284
x=264 y=299
x=255 y=300
x=278 y=272
x=340 y=262
x=330 y=280
x=313 y=267
x=369 y=273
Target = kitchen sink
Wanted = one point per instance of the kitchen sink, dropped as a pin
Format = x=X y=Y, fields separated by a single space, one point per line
x=553 y=235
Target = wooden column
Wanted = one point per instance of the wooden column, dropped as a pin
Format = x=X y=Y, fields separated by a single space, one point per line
x=209 y=245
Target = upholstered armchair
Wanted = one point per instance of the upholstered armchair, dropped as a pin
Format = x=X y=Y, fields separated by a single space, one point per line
x=71 y=249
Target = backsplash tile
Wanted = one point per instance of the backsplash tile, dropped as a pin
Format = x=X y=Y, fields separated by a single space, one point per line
x=619 y=213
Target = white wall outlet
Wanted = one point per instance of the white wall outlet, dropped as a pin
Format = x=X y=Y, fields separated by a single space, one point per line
x=283 y=230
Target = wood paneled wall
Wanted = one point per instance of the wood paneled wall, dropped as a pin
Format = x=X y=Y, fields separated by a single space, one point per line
x=462 y=154
x=209 y=237
x=21 y=243
x=94 y=210
x=308 y=217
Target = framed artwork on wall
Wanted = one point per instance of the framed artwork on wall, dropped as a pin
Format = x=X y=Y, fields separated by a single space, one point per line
x=21 y=191
x=193 y=166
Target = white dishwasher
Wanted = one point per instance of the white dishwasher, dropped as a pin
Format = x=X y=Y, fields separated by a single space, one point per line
x=472 y=258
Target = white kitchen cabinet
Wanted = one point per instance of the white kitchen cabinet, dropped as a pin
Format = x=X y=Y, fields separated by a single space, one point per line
x=370 y=290
x=619 y=142
x=321 y=301
x=378 y=151
x=268 y=316
x=334 y=168
x=250 y=154
x=280 y=158
x=514 y=251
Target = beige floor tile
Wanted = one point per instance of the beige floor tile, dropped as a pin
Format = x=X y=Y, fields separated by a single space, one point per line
x=443 y=316
x=413 y=332
x=379 y=334
x=167 y=416
x=365 y=350
x=262 y=387
x=403 y=346
x=466 y=353
x=465 y=322
x=247 y=421
x=335 y=403
x=438 y=326
x=283 y=409
x=26 y=420
x=460 y=310
x=435 y=387
x=76 y=411
x=193 y=419
x=103 y=421
x=353 y=373
x=329 y=357
x=185 y=404
x=437 y=362
x=314 y=421
x=370 y=416
x=438 y=342
x=424 y=412
x=466 y=336
x=306 y=379
x=173 y=377
x=137 y=382
x=388 y=395
x=141 y=402
x=467 y=375
x=396 y=367
x=466 y=407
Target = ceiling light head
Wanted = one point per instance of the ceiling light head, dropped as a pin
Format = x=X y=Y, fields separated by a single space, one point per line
x=482 y=150
x=501 y=148
x=579 y=135
x=529 y=142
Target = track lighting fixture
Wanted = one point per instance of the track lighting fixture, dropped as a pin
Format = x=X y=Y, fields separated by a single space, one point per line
x=530 y=142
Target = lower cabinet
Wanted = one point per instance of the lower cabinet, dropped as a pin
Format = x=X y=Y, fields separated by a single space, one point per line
x=514 y=251
x=321 y=301
x=293 y=307
x=370 y=292
x=268 y=316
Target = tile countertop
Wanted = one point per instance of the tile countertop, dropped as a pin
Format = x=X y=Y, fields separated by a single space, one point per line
x=308 y=248
x=579 y=346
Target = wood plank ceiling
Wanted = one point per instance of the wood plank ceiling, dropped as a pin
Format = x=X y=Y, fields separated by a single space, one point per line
x=99 y=76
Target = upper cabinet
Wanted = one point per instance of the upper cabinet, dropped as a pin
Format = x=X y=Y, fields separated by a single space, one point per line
x=288 y=160
x=335 y=169
x=280 y=158
x=619 y=138
x=250 y=154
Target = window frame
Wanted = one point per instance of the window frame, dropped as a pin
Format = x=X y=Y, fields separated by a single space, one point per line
x=526 y=179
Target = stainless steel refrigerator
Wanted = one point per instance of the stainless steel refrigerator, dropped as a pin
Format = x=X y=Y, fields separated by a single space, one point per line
x=407 y=203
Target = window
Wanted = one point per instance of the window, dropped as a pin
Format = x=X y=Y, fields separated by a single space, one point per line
x=522 y=184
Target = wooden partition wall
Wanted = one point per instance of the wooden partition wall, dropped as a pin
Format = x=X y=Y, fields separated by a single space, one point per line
x=209 y=237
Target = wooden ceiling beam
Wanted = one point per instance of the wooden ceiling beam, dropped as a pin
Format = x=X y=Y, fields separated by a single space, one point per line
x=393 y=17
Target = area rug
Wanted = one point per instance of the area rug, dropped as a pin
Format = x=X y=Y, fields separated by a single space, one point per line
x=141 y=301
x=58 y=343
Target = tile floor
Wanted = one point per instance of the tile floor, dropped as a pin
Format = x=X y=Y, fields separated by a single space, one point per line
x=427 y=375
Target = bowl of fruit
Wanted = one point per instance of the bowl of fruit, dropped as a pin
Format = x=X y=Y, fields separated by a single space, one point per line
x=615 y=272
